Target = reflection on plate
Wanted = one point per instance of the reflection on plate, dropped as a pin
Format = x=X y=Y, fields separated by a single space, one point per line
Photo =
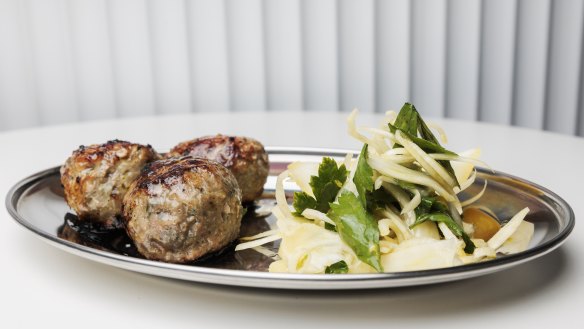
x=37 y=203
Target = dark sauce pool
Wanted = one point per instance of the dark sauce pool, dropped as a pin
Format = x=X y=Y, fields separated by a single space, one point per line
x=257 y=219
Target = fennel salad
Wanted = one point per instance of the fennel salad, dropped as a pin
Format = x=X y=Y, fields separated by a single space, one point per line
x=393 y=208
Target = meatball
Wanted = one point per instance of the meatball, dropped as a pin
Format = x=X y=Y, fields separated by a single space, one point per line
x=245 y=157
x=181 y=209
x=95 y=179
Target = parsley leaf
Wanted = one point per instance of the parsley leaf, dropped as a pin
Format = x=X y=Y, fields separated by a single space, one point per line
x=379 y=198
x=328 y=183
x=370 y=198
x=325 y=187
x=339 y=267
x=303 y=201
x=357 y=229
x=363 y=178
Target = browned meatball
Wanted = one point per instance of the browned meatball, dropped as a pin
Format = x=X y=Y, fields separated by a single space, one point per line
x=96 y=177
x=181 y=209
x=245 y=157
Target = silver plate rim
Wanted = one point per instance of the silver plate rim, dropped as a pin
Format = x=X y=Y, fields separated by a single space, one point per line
x=290 y=280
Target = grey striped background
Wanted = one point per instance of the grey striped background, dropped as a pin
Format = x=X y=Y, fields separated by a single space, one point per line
x=504 y=61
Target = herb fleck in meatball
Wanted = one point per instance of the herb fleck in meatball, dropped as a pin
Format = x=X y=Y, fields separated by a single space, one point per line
x=245 y=157
x=95 y=179
x=181 y=209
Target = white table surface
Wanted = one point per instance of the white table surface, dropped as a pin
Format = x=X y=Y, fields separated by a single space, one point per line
x=42 y=286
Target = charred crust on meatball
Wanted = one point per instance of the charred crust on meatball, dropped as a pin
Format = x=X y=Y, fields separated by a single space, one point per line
x=233 y=148
x=166 y=171
x=245 y=157
x=95 y=178
x=181 y=209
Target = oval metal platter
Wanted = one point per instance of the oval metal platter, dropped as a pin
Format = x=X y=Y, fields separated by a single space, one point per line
x=37 y=204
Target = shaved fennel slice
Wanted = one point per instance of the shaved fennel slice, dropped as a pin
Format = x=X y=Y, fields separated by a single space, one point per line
x=379 y=181
x=455 y=210
x=449 y=235
x=258 y=242
x=383 y=226
x=479 y=254
x=349 y=185
x=281 y=194
x=377 y=142
x=507 y=231
x=401 y=231
x=420 y=254
x=381 y=140
x=462 y=170
x=462 y=165
x=386 y=246
x=317 y=215
x=378 y=131
x=347 y=161
x=403 y=199
x=395 y=224
x=352 y=127
x=409 y=175
x=300 y=172
x=476 y=197
x=399 y=158
x=426 y=229
x=446 y=232
x=414 y=202
x=518 y=241
x=396 y=151
x=390 y=117
x=288 y=224
x=398 y=155
x=441 y=132
x=278 y=266
x=467 y=183
x=460 y=159
x=265 y=251
x=430 y=165
x=484 y=252
x=309 y=248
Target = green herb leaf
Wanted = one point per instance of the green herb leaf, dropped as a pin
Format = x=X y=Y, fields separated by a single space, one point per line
x=370 y=198
x=339 y=267
x=452 y=225
x=330 y=227
x=363 y=178
x=407 y=120
x=303 y=201
x=410 y=122
x=405 y=185
x=325 y=187
x=328 y=183
x=425 y=206
x=425 y=132
x=379 y=198
x=427 y=146
x=357 y=228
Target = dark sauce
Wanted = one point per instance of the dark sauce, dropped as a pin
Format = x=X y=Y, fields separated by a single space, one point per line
x=257 y=219
x=85 y=233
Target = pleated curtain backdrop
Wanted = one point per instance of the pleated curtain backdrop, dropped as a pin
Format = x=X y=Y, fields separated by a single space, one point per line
x=504 y=61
